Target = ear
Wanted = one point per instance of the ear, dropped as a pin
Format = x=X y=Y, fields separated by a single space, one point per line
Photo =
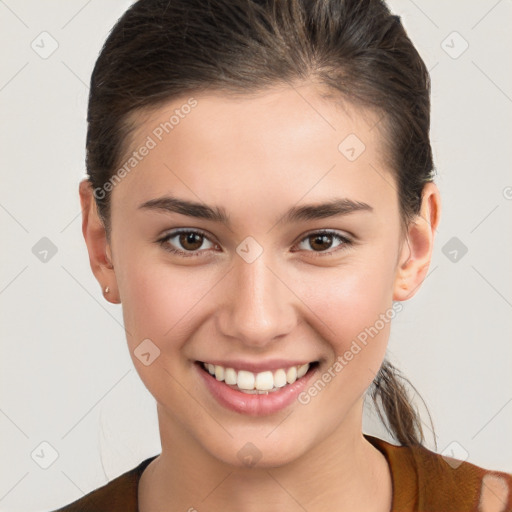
x=416 y=251
x=100 y=254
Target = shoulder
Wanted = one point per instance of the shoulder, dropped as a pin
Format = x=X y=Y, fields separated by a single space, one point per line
x=120 y=494
x=436 y=482
x=445 y=480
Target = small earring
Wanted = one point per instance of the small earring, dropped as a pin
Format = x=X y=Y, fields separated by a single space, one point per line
x=107 y=289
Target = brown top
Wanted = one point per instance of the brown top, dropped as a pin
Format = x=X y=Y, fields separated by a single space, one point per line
x=423 y=481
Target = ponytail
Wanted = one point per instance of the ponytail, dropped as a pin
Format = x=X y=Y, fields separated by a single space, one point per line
x=391 y=398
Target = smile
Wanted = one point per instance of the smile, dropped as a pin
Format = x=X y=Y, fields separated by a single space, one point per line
x=257 y=383
x=259 y=392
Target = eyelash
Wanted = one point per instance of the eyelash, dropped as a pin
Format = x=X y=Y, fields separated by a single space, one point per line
x=164 y=242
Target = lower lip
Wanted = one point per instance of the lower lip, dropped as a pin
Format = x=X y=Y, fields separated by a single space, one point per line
x=254 y=404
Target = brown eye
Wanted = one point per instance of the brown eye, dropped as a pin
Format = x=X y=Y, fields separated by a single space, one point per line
x=320 y=242
x=190 y=241
x=186 y=242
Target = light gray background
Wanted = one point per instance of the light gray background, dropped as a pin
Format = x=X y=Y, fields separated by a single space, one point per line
x=66 y=376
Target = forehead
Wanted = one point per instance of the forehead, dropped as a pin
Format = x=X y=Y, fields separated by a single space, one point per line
x=278 y=145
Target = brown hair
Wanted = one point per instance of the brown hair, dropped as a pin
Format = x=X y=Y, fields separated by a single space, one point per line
x=160 y=50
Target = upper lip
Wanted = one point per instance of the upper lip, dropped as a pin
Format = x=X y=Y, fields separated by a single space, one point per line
x=259 y=366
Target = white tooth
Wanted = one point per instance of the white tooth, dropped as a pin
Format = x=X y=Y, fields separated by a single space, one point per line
x=245 y=380
x=211 y=368
x=279 y=378
x=302 y=370
x=219 y=372
x=230 y=376
x=264 y=381
x=291 y=375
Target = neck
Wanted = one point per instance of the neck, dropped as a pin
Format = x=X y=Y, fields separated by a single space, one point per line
x=343 y=472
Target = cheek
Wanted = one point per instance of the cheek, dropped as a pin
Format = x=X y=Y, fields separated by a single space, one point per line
x=354 y=314
x=162 y=303
x=354 y=309
x=349 y=299
x=159 y=301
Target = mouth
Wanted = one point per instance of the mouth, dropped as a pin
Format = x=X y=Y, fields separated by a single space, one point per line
x=255 y=393
x=268 y=381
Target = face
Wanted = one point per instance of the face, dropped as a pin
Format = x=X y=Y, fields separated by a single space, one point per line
x=289 y=257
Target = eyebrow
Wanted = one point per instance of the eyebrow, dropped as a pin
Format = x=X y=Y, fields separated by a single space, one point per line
x=335 y=207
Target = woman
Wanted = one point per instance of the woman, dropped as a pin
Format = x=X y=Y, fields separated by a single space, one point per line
x=260 y=200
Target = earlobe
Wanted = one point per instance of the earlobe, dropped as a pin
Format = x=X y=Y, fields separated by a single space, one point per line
x=416 y=252
x=100 y=256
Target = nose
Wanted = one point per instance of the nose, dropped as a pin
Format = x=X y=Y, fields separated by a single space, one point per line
x=258 y=307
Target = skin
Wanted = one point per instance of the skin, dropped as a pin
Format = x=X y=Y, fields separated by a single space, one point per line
x=256 y=157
